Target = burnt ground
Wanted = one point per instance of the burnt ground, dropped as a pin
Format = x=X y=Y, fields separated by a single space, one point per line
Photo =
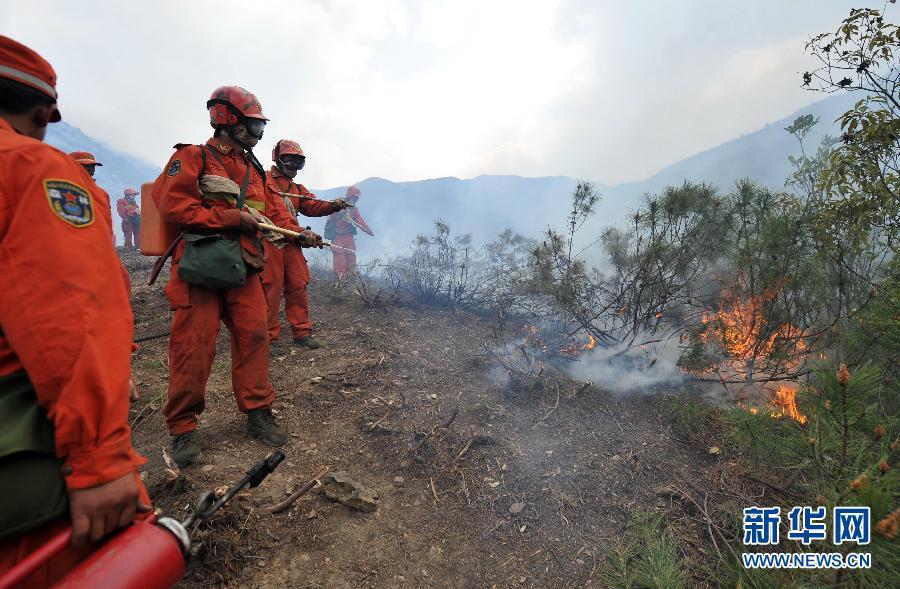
x=410 y=402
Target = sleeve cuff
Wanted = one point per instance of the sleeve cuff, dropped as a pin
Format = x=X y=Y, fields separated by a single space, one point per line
x=83 y=469
x=231 y=218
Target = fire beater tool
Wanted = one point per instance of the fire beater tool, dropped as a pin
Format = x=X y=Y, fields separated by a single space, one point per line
x=304 y=197
x=289 y=233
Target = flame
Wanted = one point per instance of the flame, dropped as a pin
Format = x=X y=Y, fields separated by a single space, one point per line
x=748 y=340
x=574 y=350
x=533 y=338
x=740 y=328
x=785 y=402
x=569 y=351
x=751 y=409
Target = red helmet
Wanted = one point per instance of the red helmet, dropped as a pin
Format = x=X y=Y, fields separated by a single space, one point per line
x=22 y=65
x=286 y=147
x=85 y=158
x=354 y=191
x=131 y=192
x=229 y=104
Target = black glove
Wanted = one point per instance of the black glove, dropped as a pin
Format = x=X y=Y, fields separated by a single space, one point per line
x=308 y=238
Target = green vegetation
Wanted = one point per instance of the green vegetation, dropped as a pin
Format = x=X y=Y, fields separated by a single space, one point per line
x=647 y=558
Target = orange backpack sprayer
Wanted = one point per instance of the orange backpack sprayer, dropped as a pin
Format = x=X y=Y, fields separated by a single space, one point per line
x=149 y=554
x=157 y=234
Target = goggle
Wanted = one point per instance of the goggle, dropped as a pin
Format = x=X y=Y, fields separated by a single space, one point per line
x=255 y=127
x=294 y=161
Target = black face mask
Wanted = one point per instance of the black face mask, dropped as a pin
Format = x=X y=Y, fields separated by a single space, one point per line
x=90 y=169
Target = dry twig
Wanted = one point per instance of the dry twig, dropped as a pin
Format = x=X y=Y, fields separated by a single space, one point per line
x=299 y=492
x=552 y=409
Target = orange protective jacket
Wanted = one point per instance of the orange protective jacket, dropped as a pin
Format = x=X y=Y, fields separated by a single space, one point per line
x=277 y=182
x=342 y=226
x=127 y=209
x=178 y=198
x=64 y=309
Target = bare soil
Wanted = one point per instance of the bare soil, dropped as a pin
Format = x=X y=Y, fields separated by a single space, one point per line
x=481 y=482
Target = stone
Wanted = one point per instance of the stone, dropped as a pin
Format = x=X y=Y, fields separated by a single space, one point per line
x=338 y=486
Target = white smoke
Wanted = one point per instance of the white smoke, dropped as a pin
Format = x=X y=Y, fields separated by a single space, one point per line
x=630 y=369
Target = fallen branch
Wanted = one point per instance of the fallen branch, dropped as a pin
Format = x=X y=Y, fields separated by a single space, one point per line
x=299 y=492
x=377 y=423
x=434 y=491
x=774 y=487
x=466 y=447
x=549 y=413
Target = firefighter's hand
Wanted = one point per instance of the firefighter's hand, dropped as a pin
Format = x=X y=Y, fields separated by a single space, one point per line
x=249 y=224
x=309 y=238
x=339 y=204
x=132 y=391
x=98 y=511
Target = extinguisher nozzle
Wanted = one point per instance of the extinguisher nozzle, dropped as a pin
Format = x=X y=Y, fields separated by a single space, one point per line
x=178 y=530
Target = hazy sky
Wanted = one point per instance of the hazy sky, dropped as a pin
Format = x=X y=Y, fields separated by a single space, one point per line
x=410 y=89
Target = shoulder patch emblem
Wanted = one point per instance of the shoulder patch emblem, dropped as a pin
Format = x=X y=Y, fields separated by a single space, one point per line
x=71 y=202
x=174 y=168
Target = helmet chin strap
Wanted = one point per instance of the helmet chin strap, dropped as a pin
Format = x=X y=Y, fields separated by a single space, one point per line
x=251 y=157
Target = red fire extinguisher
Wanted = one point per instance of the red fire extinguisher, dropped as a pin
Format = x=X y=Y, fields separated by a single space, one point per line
x=149 y=554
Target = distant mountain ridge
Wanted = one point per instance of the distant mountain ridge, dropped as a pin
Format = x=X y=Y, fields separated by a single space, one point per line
x=761 y=155
x=119 y=170
x=486 y=205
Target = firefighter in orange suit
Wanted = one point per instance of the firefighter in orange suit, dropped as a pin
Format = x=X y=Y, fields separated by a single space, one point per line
x=66 y=457
x=90 y=163
x=130 y=213
x=340 y=229
x=286 y=269
x=198 y=191
x=87 y=161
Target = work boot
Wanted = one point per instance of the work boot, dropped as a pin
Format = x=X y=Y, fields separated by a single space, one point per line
x=275 y=349
x=261 y=425
x=308 y=341
x=186 y=448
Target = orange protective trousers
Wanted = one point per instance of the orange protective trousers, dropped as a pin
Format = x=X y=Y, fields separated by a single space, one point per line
x=287 y=272
x=192 y=347
x=130 y=230
x=344 y=261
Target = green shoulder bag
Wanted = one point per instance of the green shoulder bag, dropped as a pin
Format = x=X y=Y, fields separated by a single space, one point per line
x=213 y=260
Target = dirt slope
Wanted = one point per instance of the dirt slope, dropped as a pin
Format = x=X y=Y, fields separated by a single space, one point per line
x=409 y=403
